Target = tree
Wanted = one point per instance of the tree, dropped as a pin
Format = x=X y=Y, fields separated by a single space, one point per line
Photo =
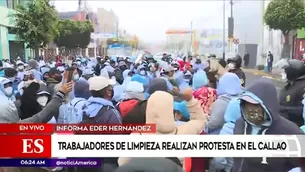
x=285 y=15
x=36 y=23
x=73 y=34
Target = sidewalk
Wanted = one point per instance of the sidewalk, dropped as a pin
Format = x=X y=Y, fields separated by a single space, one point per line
x=264 y=74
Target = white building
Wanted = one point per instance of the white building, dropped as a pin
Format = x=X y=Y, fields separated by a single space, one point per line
x=253 y=34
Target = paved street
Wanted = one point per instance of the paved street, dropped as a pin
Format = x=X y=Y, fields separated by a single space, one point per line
x=250 y=78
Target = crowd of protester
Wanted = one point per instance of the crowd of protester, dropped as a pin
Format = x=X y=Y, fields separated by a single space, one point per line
x=180 y=95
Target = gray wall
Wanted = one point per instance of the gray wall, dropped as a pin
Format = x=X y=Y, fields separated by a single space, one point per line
x=252 y=49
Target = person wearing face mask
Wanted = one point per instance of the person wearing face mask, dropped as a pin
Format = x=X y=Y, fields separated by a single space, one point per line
x=167 y=74
x=43 y=95
x=33 y=65
x=234 y=66
x=29 y=102
x=142 y=70
x=43 y=98
x=20 y=68
x=99 y=104
x=99 y=109
x=27 y=80
x=178 y=73
x=11 y=74
x=260 y=116
x=188 y=77
x=7 y=90
x=292 y=94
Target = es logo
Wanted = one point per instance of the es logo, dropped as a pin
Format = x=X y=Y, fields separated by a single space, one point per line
x=32 y=146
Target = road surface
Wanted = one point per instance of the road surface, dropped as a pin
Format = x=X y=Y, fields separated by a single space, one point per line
x=250 y=79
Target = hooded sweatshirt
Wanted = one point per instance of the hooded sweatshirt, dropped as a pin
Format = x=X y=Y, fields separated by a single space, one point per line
x=275 y=125
x=229 y=87
x=200 y=79
x=161 y=113
x=137 y=114
x=4 y=81
x=134 y=90
x=205 y=95
x=232 y=114
x=182 y=108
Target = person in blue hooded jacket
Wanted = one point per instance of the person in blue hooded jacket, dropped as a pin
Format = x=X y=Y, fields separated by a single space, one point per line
x=71 y=113
x=101 y=95
x=181 y=112
x=228 y=87
x=232 y=114
x=199 y=80
x=142 y=70
x=260 y=116
x=143 y=80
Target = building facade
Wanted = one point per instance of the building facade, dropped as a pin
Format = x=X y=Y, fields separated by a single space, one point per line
x=108 y=21
x=255 y=37
x=10 y=48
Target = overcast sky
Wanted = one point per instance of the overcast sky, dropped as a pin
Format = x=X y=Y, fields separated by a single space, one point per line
x=150 y=19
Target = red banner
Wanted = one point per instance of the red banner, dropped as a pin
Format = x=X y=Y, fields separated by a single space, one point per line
x=75 y=128
x=25 y=146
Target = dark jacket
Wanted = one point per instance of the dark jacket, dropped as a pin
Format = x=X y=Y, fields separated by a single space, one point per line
x=291 y=97
x=276 y=126
x=45 y=115
x=246 y=59
x=29 y=105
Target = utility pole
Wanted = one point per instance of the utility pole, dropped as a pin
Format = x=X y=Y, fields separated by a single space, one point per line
x=231 y=3
x=231 y=27
x=79 y=5
x=117 y=29
x=224 y=30
x=191 y=36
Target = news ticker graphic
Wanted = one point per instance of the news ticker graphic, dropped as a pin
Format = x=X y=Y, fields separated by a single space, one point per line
x=83 y=162
x=148 y=145
x=76 y=128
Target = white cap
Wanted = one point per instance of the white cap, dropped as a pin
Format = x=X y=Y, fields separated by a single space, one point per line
x=99 y=82
x=88 y=71
x=134 y=86
x=168 y=68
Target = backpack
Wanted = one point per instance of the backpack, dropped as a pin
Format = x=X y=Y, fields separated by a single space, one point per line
x=133 y=111
x=70 y=113
x=97 y=118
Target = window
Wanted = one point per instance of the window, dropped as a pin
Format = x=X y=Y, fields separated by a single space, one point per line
x=11 y=30
x=10 y=4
